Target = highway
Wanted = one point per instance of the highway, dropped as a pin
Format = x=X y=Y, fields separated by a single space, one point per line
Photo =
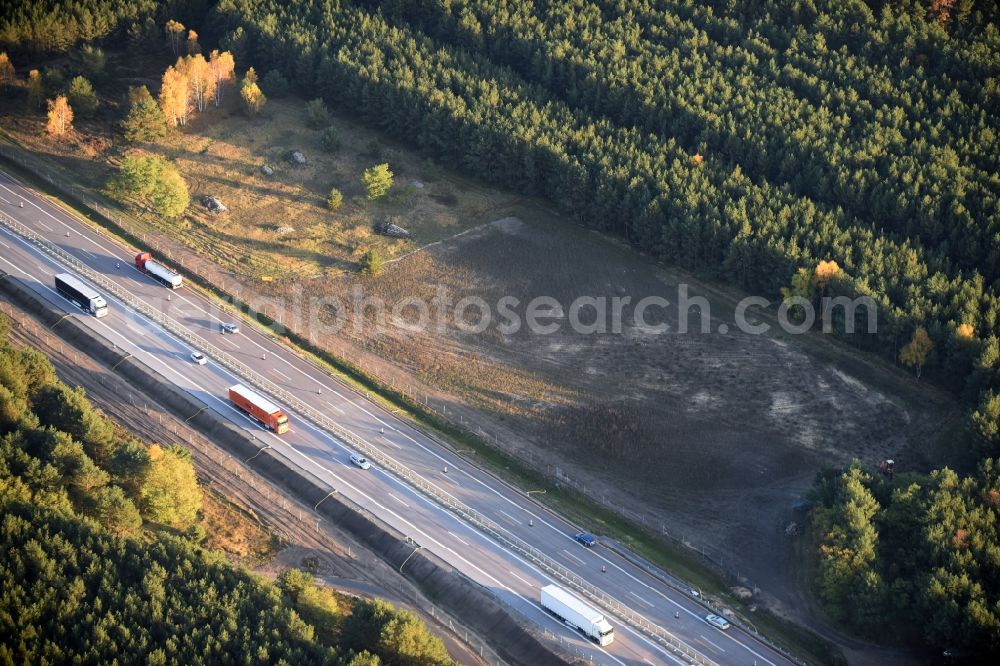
x=510 y=576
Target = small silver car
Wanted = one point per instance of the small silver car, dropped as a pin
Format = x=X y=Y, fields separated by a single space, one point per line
x=199 y=358
x=360 y=461
x=717 y=621
x=230 y=328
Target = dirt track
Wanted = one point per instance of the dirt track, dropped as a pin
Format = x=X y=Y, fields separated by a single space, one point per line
x=336 y=556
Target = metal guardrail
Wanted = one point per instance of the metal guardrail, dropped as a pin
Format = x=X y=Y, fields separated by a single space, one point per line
x=470 y=515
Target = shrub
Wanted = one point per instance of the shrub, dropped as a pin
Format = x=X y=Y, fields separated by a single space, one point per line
x=330 y=139
x=153 y=181
x=317 y=115
x=335 y=200
x=82 y=96
x=378 y=181
x=251 y=94
x=372 y=262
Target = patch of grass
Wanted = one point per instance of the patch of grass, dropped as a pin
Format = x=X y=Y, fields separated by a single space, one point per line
x=798 y=640
x=235 y=532
x=220 y=153
x=222 y=156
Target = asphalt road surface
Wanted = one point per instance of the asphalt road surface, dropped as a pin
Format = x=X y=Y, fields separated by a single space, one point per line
x=514 y=580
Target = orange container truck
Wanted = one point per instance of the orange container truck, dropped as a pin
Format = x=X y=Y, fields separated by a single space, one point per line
x=259 y=408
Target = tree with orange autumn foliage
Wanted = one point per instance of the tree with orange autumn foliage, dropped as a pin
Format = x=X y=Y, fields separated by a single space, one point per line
x=175 y=32
x=60 y=117
x=825 y=271
x=175 y=96
x=809 y=285
x=199 y=77
x=253 y=98
x=223 y=69
x=6 y=71
x=941 y=10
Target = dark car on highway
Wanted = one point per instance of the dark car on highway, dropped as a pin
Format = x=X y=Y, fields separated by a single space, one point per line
x=586 y=539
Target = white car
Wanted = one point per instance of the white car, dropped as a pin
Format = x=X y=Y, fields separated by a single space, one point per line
x=199 y=358
x=360 y=461
x=718 y=621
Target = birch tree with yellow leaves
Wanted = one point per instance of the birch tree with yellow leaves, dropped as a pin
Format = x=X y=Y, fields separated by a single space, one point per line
x=914 y=353
x=200 y=79
x=60 y=117
x=175 y=97
x=222 y=67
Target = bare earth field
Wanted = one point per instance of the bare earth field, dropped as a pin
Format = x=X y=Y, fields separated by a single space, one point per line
x=714 y=438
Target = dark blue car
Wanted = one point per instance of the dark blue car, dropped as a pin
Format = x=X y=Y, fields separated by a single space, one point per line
x=587 y=540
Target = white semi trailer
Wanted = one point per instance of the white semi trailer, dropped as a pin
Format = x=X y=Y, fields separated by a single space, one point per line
x=577 y=615
x=82 y=294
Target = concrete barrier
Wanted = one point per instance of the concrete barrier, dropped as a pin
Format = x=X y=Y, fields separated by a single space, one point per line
x=454 y=592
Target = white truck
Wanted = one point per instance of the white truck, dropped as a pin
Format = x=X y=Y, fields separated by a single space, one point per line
x=82 y=294
x=577 y=615
x=144 y=262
